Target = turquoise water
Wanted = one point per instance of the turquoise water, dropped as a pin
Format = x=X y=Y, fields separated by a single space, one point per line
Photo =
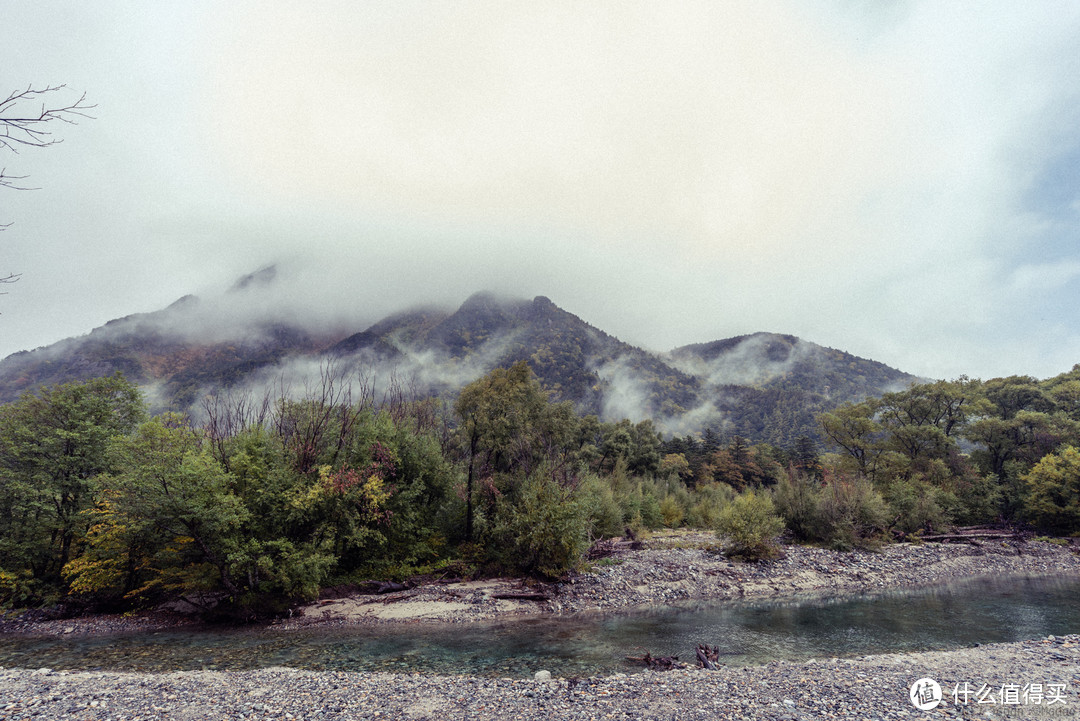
x=962 y=614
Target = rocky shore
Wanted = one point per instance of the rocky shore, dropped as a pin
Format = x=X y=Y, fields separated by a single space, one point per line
x=669 y=568
x=1030 y=680
x=687 y=566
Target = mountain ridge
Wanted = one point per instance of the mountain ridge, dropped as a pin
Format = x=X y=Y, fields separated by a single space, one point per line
x=764 y=386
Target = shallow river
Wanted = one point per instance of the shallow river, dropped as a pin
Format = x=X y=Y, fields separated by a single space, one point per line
x=962 y=614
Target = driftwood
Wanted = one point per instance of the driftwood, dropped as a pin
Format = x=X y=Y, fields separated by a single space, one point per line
x=974 y=534
x=969 y=537
x=395 y=599
x=610 y=546
x=390 y=587
x=522 y=596
x=707 y=656
x=657 y=663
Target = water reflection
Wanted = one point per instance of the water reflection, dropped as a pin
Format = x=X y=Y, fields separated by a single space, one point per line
x=747 y=632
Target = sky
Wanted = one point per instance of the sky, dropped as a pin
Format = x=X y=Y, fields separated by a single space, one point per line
x=899 y=180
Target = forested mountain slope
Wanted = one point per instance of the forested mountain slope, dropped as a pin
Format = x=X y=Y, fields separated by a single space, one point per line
x=763 y=386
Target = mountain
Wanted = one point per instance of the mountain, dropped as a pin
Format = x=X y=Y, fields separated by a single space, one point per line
x=574 y=360
x=772 y=387
x=763 y=386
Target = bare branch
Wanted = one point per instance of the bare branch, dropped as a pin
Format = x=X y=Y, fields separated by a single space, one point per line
x=24 y=118
x=8 y=181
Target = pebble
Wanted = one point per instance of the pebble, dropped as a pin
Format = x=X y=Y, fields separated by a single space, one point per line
x=870 y=687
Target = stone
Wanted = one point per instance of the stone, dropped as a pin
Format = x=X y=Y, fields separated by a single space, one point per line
x=542 y=676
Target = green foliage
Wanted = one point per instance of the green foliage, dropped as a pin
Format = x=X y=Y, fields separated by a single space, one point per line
x=844 y=512
x=1052 y=502
x=671 y=512
x=602 y=507
x=798 y=500
x=851 y=513
x=706 y=503
x=917 y=505
x=539 y=530
x=750 y=526
x=52 y=445
x=509 y=426
x=99 y=504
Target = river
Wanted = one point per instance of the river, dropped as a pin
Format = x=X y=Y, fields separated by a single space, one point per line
x=750 y=632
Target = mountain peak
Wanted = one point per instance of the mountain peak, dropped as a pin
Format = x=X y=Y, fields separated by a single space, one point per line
x=260 y=278
x=764 y=386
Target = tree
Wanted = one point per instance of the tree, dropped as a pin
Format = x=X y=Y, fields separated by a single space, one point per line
x=1053 y=491
x=52 y=445
x=26 y=121
x=508 y=425
x=853 y=429
x=804 y=457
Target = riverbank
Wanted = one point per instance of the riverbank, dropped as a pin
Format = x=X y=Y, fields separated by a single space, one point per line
x=670 y=567
x=686 y=566
x=1031 y=679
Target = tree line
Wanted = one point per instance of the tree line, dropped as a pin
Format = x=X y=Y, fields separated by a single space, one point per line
x=259 y=504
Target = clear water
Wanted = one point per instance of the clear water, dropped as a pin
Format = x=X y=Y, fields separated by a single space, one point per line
x=962 y=614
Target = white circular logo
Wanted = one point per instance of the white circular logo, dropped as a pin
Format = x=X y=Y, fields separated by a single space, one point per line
x=925 y=694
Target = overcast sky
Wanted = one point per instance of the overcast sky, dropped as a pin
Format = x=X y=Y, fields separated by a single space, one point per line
x=899 y=180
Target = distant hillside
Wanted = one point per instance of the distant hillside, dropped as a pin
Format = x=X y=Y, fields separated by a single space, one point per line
x=772 y=387
x=763 y=386
x=574 y=360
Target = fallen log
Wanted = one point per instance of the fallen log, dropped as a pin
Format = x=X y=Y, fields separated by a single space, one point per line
x=707 y=656
x=376 y=587
x=521 y=596
x=610 y=546
x=971 y=537
x=657 y=663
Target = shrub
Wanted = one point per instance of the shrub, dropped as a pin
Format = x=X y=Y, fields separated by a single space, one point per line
x=978 y=499
x=603 y=512
x=708 y=501
x=671 y=512
x=798 y=497
x=917 y=505
x=851 y=513
x=541 y=529
x=750 y=526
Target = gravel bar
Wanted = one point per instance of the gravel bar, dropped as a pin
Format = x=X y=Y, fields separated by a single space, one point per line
x=869 y=687
x=1027 y=680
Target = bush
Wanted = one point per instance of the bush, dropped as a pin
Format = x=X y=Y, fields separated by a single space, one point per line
x=798 y=497
x=917 y=505
x=671 y=512
x=707 y=502
x=851 y=513
x=602 y=509
x=978 y=499
x=750 y=526
x=541 y=529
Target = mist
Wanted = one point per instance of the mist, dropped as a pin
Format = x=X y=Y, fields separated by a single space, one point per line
x=895 y=180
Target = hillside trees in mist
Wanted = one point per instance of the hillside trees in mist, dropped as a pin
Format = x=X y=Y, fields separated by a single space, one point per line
x=960 y=451
x=262 y=504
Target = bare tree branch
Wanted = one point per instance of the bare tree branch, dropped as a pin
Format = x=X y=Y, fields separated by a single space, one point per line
x=25 y=117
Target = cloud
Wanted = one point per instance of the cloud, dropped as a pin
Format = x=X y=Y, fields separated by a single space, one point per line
x=865 y=176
